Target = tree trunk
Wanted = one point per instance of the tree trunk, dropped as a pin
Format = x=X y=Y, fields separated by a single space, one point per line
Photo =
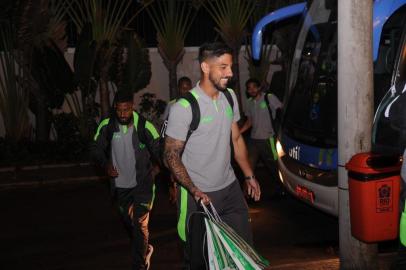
x=173 y=81
x=104 y=98
x=42 y=121
x=236 y=75
x=355 y=116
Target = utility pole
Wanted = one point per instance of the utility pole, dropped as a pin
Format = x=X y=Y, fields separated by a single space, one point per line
x=355 y=114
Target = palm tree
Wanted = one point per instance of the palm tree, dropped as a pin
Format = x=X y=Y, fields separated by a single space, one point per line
x=102 y=23
x=172 y=20
x=40 y=34
x=13 y=88
x=231 y=17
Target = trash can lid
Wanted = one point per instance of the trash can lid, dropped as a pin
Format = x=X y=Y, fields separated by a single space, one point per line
x=373 y=163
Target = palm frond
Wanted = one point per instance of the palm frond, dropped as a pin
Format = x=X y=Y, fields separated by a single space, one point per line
x=105 y=17
x=172 y=21
x=13 y=92
x=231 y=17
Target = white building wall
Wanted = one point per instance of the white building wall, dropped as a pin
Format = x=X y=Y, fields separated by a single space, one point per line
x=159 y=83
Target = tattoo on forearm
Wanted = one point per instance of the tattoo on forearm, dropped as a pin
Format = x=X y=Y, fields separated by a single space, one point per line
x=172 y=155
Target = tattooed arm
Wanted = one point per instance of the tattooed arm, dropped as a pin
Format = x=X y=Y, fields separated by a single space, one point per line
x=173 y=157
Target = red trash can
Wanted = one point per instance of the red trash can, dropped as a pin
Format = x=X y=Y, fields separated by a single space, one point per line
x=374 y=189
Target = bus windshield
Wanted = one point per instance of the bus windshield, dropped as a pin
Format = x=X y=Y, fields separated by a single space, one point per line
x=311 y=111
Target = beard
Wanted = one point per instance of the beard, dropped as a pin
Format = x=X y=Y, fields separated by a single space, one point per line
x=126 y=121
x=217 y=83
x=254 y=95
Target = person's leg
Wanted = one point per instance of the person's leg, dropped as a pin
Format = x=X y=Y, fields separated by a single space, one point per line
x=135 y=218
x=268 y=156
x=172 y=190
x=252 y=153
x=233 y=210
x=124 y=200
x=140 y=236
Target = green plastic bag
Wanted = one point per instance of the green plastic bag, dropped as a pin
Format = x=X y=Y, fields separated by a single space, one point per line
x=226 y=249
x=402 y=228
x=218 y=256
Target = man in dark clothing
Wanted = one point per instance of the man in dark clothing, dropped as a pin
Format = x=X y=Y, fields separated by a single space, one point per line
x=123 y=145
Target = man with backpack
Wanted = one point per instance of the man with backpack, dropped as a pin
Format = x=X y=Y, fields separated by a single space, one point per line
x=201 y=128
x=123 y=145
x=184 y=86
x=261 y=112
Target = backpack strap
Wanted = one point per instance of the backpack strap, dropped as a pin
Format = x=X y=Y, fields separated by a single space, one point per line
x=165 y=122
x=229 y=98
x=194 y=124
x=266 y=99
x=139 y=124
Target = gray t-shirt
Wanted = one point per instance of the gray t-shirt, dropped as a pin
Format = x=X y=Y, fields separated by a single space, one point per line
x=167 y=109
x=207 y=152
x=124 y=158
x=258 y=112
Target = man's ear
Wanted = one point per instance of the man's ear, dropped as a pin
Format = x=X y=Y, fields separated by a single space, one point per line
x=205 y=67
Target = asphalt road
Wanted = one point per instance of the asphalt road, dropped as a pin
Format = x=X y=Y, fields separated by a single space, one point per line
x=75 y=226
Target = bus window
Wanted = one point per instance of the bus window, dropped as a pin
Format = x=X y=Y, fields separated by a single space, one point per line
x=311 y=115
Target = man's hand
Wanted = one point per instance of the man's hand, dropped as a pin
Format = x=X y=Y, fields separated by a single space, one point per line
x=111 y=170
x=253 y=189
x=199 y=195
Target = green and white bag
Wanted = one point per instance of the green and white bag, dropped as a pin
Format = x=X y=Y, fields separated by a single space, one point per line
x=226 y=249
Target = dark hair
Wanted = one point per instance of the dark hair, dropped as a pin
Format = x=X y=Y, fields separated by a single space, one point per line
x=122 y=96
x=215 y=49
x=184 y=79
x=254 y=81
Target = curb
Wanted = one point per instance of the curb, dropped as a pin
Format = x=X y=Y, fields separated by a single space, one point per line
x=329 y=264
x=8 y=186
x=44 y=166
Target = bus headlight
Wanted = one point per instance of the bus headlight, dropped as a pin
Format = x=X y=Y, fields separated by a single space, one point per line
x=279 y=149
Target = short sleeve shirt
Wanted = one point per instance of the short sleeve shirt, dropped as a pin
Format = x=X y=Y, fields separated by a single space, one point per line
x=167 y=109
x=207 y=152
x=257 y=111
x=123 y=157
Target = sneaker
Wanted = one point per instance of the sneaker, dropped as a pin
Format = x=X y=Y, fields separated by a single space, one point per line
x=150 y=249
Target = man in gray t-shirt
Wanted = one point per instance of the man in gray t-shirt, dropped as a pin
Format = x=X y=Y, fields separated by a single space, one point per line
x=204 y=170
x=262 y=141
x=184 y=86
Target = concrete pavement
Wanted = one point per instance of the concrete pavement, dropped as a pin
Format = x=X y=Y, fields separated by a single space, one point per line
x=47 y=175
